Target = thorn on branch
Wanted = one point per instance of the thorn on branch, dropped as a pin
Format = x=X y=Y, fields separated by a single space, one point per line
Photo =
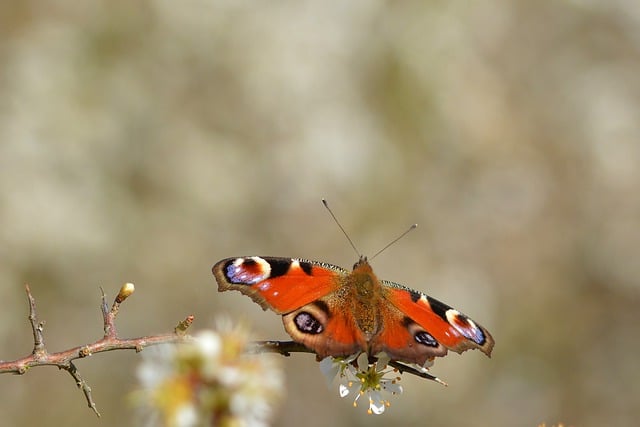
x=36 y=327
x=109 y=315
x=82 y=385
x=104 y=308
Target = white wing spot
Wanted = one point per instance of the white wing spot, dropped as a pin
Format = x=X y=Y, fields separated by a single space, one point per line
x=264 y=286
x=265 y=267
x=452 y=318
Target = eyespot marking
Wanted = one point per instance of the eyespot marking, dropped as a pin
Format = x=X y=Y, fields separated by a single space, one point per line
x=247 y=271
x=307 y=323
x=465 y=326
x=425 y=338
x=419 y=335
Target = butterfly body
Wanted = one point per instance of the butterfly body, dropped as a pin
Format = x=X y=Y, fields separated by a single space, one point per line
x=335 y=312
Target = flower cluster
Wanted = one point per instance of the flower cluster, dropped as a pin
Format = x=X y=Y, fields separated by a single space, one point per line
x=366 y=380
x=209 y=381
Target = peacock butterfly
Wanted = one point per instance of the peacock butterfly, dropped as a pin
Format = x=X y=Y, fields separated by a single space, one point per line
x=335 y=312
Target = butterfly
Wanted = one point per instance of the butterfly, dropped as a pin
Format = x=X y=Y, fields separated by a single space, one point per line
x=336 y=312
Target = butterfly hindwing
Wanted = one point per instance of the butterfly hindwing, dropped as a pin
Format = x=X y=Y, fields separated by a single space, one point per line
x=454 y=330
x=326 y=327
x=405 y=340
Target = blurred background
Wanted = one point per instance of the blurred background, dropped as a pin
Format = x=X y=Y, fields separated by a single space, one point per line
x=144 y=141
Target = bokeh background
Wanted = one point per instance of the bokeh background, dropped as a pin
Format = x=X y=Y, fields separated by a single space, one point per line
x=143 y=141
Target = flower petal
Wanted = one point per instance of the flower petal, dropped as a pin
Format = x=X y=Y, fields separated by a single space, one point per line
x=363 y=362
x=330 y=369
x=376 y=402
x=383 y=361
x=391 y=386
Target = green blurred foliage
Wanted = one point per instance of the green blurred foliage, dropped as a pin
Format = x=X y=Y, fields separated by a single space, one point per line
x=143 y=141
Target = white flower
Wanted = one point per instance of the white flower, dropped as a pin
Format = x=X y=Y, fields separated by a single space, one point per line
x=210 y=380
x=364 y=379
x=186 y=415
x=331 y=367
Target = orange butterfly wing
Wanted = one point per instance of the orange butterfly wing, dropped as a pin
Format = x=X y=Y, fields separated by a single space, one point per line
x=454 y=330
x=278 y=284
x=301 y=291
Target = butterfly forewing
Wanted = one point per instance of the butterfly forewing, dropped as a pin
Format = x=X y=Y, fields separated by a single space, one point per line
x=278 y=284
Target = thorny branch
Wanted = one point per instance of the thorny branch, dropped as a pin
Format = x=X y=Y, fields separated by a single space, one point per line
x=110 y=341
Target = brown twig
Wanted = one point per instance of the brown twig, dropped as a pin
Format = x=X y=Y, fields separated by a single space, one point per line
x=285 y=348
x=110 y=341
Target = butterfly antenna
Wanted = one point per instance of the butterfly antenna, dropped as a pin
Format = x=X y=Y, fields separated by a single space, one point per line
x=326 y=205
x=413 y=226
